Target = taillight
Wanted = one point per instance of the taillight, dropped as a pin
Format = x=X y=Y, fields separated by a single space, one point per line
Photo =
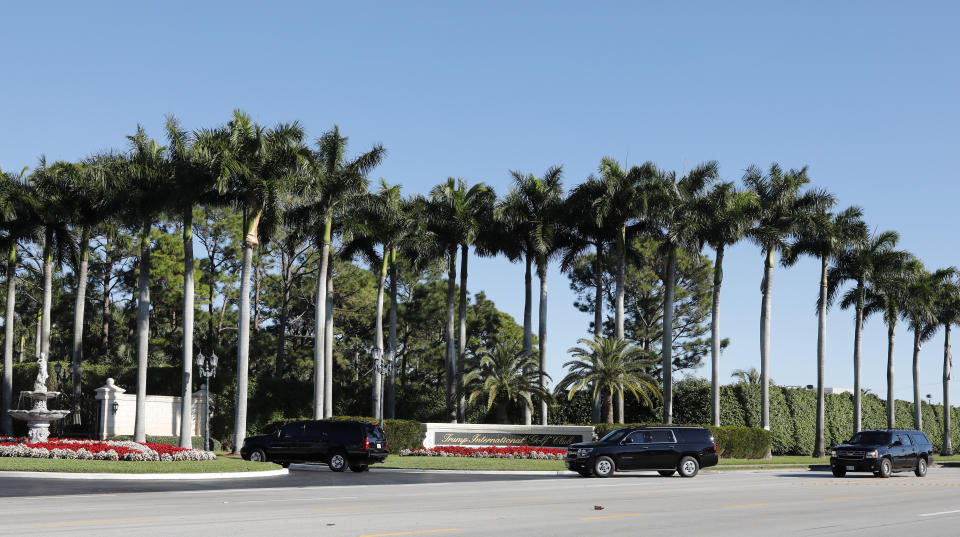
x=366 y=442
x=714 y=447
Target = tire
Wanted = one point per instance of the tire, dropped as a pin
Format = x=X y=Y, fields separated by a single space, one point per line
x=338 y=461
x=921 y=469
x=584 y=473
x=839 y=471
x=359 y=468
x=285 y=464
x=604 y=467
x=688 y=466
x=258 y=455
x=886 y=468
x=666 y=473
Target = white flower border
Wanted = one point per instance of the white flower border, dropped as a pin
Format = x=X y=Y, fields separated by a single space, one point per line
x=141 y=452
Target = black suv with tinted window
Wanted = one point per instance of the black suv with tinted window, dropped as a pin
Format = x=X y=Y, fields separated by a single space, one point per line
x=341 y=444
x=665 y=449
x=883 y=452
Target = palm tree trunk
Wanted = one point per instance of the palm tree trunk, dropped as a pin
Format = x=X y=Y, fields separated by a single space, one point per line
x=502 y=412
x=891 y=399
x=542 y=335
x=462 y=335
x=765 y=340
x=947 y=374
x=6 y=425
x=597 y=318
x=243 y=345
x=328 y=350
x=143 y=334
x=257 y=278
x=818 y=445
x=917 y=402
x=38 y=334
x=282 y=329
x=618 y=316
x=377 y=381
x=527 y=326
x=667 y=345
x=186 y=388
x=319 y=318
x=451 y=369
x=715 y=341
x=392 y=341
x=857 y=344
x=47 y=295
x=78 y=307
x=610 y=406
x=105 y=312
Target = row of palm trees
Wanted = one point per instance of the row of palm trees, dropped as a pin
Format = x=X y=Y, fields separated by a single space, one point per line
x=276 y=178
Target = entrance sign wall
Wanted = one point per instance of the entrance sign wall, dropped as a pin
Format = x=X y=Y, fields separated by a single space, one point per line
x=463 y=434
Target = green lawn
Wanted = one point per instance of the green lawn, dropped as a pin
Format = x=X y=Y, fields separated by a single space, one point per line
x=221 y=464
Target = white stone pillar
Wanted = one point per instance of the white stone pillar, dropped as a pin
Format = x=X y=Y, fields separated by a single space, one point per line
x=107 y=396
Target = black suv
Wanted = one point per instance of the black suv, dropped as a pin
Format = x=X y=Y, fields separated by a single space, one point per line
x=665 y=449
x=341 y=444
x=883 y=452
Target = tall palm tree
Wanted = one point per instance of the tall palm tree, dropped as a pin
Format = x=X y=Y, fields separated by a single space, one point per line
x=948 y=313
x=258 y=165
x=535 y=206
x=144 y=172
x=781 y=209
x=861 y=263
x=610 y=366
x=333 y=182
x=920 y=312
x=17 y=210
x=505 y=374
x=677 y=205
x=886 y=293
x=823 y=235
x=726 y=214
x=193 y=164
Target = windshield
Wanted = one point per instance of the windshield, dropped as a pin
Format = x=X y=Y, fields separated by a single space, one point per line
x=615 y=435
x=870 y=438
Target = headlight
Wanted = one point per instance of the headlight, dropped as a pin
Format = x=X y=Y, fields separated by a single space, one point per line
x=585 y=451
x=871 y=454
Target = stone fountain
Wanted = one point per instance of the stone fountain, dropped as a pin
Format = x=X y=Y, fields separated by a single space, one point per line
x=38 y=418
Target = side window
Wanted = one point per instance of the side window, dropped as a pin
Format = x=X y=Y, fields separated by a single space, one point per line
x=638 y=437
x=315 y=429
x=919 y=439
x=291 y=430
x=661 y=436
x=905 y=440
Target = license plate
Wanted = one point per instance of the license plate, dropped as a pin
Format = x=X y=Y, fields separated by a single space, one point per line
x=849 y=468
x=378 y=446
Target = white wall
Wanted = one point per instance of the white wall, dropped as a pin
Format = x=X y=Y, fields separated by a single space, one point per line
x=162 y=413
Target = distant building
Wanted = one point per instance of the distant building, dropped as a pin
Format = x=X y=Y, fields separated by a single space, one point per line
x=838 y=390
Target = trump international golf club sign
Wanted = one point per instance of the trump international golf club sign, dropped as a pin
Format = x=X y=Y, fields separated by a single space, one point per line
x=454 y=434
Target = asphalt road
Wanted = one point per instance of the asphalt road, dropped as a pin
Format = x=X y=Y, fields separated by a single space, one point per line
x=735 y=503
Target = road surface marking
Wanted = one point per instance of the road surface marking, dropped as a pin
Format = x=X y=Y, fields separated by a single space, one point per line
x=410 y=532
x=645 y=492
x=524 y=499
x=610 y=516
x=353 y=508
x=941 y=513
x=911 y=491
x=744 y=505
x=840 y=498
x=90 y=522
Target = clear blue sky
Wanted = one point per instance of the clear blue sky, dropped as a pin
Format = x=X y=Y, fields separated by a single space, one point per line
x=865 y=93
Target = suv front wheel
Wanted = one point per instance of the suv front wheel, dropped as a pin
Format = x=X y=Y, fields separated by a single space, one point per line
x=604 y=467
x=688 y=467
x=921 y=469
x=886 y=468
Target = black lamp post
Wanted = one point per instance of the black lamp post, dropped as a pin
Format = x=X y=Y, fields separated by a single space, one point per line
x=207 y=367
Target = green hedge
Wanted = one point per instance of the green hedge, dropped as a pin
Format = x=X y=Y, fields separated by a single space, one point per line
x=732 y=442
x=195 y=441
x=401 y=434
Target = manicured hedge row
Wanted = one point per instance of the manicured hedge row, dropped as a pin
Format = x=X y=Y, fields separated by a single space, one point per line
x=732 y=442
x=401 y=434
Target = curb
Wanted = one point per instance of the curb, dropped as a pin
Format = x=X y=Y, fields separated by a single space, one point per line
x=154 y=477
x=324 y=468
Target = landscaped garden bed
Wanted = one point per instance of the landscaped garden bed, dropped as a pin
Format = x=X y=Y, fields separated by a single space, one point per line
x=511 y=452
x=100 y=450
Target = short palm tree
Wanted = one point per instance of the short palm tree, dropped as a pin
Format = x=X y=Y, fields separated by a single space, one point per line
x=610 y=366
x=534 y=206
x=781 y=209
x=823 y=235
x=861 y=263
x=726 y=214
x=948 y=313
x=505 y=374
x=750 y=376
x=677 y=204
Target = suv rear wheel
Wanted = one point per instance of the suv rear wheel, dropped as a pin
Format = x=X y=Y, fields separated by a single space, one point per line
x=921 y=469
x=258 y=455
x=604 y=467
x=688 y=466
x=666 y=473
x=886 y=468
